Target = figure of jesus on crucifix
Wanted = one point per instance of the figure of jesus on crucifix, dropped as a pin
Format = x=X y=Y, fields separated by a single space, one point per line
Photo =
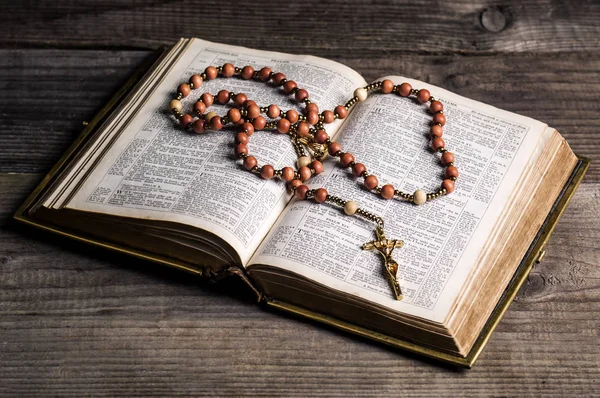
x=385 y=247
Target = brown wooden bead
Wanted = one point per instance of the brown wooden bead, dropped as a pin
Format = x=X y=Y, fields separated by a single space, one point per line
x=451 y=171
x=283 y=125
x=436 y=131
x=228 y=70
x=259 y=123
x=199 y=126
x=447 y=157
x=278 y=77
x=321 y=195
x=240 y=99
x=248 y=103
x=346 y=159
x=387 y=86
x=211 y=73
x=334 y=148
x=312 y=107
x=404 y=89
x=289 y=86
x=387 y=191
x=196 y=80
x=292 y=116
x=301 y=191
x=241 y=149
x=341 y=111
x=207 y=98
x=301 y=95
x=294 y=184
x=241 y=138
x=184 y=89
x=317 y=166
x=437 y=143
x=358 y=169
x=439 y=118
x=303 y=129
x=234 y=115
x=423 y=95
x=247 y=72
x=223 y=97
x=264 y=74
x=273 y=111
x=321 y=136
x=216 y=123
x=185 y=120
x=253 y=111
x=371 y=182
x=436 y=106
x=267 y=171
x=250 y=163
x=287 y=173
x=248 y=128
x=448 y=185
x=199 y=107
x=312 y=117
x=328 y=116
x=305 y=173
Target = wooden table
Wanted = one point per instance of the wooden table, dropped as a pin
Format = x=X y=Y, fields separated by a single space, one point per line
x=77 y=322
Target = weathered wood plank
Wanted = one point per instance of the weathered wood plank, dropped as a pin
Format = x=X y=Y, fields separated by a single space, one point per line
x=323 y=28
x=75 y=323
x=48 y=93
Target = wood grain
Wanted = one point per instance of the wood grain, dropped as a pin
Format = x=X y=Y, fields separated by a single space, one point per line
x=75 y=322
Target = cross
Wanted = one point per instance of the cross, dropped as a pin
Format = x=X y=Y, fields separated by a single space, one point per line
x=385 y=247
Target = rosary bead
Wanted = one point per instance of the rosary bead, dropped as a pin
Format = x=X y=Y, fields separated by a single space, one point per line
x=451 y=171
x=305 y=173
x=289 y=86
x=223 y=97
x=312 y=117
x=287 y=174
x=387 y=86
x=264 y=74
x=253 y=111
x=436 y=106
x=240 y=99
x=301 y=191
x=419 y=197
x=361 y=94
x=278 y=77
x=341 y=111
x=303 y=161
x=447 y=157
x=234 y=115
x=439 y=118
x=294 y=184
x=423 y=95
x=437 y=143
x=358 y=169
x=303 y=129
x=241 y=149
x=207 y=98
x=185 y=120
x=292 y=116
x=317 y=166
x=371 y=182
x=216 y=123
x=448 y=185
x=248 y=103
x=175 y=105
x=248 y=128
x=211 y=73
x=283 y=125
x=247 y=72
x=350 y=207
x=321 y=195
x=259 y=123
x=387 y=191
x=346 y=159
x=328 y=116
x=209 y=116
x=334 y=148
x=250 y=162
x=404 y=89
x=267 y=172
x=321 y=136
x=199 y=126
x=301 y=95
x=196 y=80
x=184 y=89
x=436 y=131
x=312 y=107
x=273 y=111
x=199 y=107
x=228 y=70
x=241 y=138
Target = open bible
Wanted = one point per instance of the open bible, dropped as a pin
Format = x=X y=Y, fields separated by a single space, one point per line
x=136 y=183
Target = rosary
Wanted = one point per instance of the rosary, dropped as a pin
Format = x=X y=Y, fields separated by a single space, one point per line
x=312 y=143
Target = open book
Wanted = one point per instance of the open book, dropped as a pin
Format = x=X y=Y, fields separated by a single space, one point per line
x=138 y=183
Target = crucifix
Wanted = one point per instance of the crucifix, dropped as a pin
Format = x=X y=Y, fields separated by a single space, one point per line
x=385 y=247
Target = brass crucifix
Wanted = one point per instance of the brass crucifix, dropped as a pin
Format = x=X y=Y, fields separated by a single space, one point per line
x=385 y=247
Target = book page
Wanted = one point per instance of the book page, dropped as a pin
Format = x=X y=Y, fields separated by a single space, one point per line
x=157 y=171
x=443 y=237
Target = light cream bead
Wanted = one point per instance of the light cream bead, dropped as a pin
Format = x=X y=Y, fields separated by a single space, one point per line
x=210 y=115
x=303 y=161
x=419 y=197
x=350 y=207
x=361 y=94
x=175 y=104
